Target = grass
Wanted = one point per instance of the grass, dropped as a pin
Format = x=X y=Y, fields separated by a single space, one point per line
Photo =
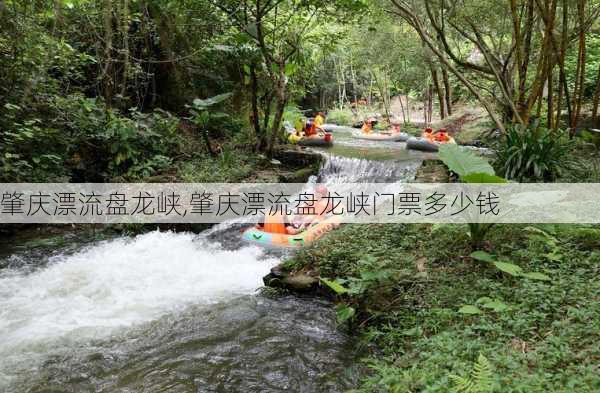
x=229 y=166
x=586 y=165
x=545 y=341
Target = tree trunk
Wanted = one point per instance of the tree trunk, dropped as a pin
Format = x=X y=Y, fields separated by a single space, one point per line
x=58 y=16
x=425 y=105
x=447 y=91
x=353 y=76
x=550 y=113
x=125 y=33
x=280 y=102
x=107 y=74
x=562 y=80
x=402 y=109
x=267 y=105
x=580 y=73
x=370 y=97
x=523 y=54
x=440 y=93
x=596 y=100
x=255 y=115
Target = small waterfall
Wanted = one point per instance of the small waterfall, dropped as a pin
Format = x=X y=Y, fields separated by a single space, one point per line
x=358 y=170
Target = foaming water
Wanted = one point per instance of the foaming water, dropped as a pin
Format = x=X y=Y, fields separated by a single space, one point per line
x=357 y=170
x=170 y=312
x=115 y=284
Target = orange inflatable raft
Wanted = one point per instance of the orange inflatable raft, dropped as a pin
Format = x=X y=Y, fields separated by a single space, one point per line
x=264 y=237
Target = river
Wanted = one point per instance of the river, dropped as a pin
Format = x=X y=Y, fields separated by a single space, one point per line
x=177 y=312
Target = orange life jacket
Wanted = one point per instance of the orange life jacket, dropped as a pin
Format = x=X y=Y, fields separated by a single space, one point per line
x=441 y=137
x=310 y=128
x=274 y=224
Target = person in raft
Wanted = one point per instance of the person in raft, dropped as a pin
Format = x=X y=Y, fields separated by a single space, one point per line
x=428 y=134
x=320 y=120
x=322 y=205
x=441 y=136
x=367 y=126
x=310 y=128
x=279 y=223
x=395 y=126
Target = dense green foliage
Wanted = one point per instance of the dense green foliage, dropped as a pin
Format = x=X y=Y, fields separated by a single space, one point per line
x=82 y=140
x=534 y=153
x=415 y=279
x=76 y=74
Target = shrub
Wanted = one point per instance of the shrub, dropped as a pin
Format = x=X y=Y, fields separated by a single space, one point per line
x=341 y=117
x=533 y=153
x=292 y=114
x=79 y=139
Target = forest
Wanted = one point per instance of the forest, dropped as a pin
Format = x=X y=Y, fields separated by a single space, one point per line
x=212 y=91
x=94 y=90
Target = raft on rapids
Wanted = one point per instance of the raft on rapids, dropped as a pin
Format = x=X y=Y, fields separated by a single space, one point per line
x=425 y=144
x=321 y=139
x=382 y=136
x=260 y=237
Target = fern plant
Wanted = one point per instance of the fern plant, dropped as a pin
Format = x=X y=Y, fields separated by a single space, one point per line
x=479 y=380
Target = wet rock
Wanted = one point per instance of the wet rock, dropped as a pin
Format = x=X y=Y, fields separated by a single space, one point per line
x=432 y=171
x=292 y=281
x=300 y=282
x=299 y=176
x=297 y=157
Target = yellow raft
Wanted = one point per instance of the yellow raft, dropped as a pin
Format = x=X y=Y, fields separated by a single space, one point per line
x=322 y=139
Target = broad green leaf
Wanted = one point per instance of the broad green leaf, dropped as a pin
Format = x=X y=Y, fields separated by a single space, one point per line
x=290 y=69
x=483 y=299
x=496 y=305
x=509 y=268
x=483 y=256
x=202 y=104
x=483 y=178
x=469 y=309
x=536 y=276
x=414 y=332
x=344 y=313
x=463 y=162
x=334 y=286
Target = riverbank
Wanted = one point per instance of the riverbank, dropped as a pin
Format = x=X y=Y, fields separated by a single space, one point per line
x=440 y=318
x=407 y=288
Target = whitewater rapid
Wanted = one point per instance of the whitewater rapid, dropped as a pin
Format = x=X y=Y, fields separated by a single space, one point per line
x=116 y=284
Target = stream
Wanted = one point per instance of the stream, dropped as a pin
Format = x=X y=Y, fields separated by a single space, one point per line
x=177 y=312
